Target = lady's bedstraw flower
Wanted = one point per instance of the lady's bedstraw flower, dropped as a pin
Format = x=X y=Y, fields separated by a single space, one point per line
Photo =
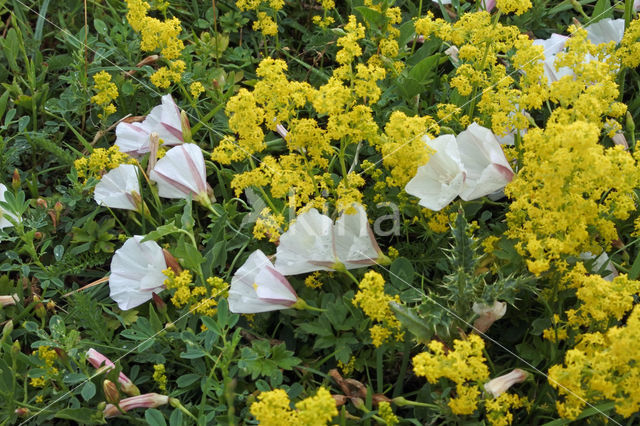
x=181 y=173
x=499 y=385
x=106 y=92
x=99 y=361
x=314 y=243
x=119 y=188
x=258 y=287
x=440 y=181
x=148 y=400
x=164 y=119
x=136 y=272
x=4 y=214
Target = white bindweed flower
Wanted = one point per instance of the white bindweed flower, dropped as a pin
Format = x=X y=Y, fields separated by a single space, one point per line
x=501 y=384
x=4 y=214
x=136 y=272
x=487 y=169
x=164 y=119
x=181 y=173
x=601 y=263
x=487 y=315
x=440 y=181
x=119 y=188
x=258 y=287
x=314 y=243
x=552 y=46
x=605 y=31
x=9 y=299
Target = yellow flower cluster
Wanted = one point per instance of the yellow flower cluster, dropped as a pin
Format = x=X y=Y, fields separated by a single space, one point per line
x=196 y=88
x=372 y=299
x=518 y=7
x=156 y=34
x=603 y=366
x=273 y=409
x=47 y=356
x=464 y=365
x=385 y=411
x=268 y=225
x=106 y=92
x=101 y=161
x=202 y=299
x=160 y=377
x=266 y=24
x=568 y=194
x=498 y=410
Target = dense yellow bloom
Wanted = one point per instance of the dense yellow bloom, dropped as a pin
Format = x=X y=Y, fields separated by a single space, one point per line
x=196 y=88
x=349 y=42
x=273 y=409
x=602 y=366
x=372 y=299
x=106 y=91
x=101 y=161
x=559 y=205
x=47 y=357
x=268 y=225
x=518 y=7
x=160 y=377
x=203 y=299
x=385 y=411
x=498 y=409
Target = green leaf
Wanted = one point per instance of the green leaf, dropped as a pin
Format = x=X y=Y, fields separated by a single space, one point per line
x=423 y=70
x=88 y=391
x=101 y=27
x=161 y=231
x=402 y=273
x=154 y=417
x=176 y=418
x=10 y=48
x=372 y=17
x=187 y=379
x=601 y=10
x=81 y=415
x=410 y=320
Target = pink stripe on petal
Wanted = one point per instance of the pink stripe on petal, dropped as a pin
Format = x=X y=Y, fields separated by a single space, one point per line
x=277 y=301
x=175 y=184
x=277 y=275
x=175 y=132
x=505 y=171
x=194 y=171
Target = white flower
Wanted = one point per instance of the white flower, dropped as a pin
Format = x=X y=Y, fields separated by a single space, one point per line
x=487 y=169
x=501 y=384
x=9 y=299
x=116 y=189
x=258 y=287
x=601 y=263
x=181 y=173
x=314 y=243
x=4 y=222
x=164 y=119
x=605 y=31
x=552 y=46
x=440 y=181
x=136 y=272
x=487 y=315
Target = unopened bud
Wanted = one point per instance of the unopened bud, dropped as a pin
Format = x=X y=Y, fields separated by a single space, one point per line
x=111 y=394
x=62 y=355
x=619 y=139
x=40 y=311
x=101 y=406
x=15 y=180
x=58 y=207
x=154 y=143
x=186 y=127
x=7 y=329
x=41 y=202
x=37 y=235
x=160 y=305
x=22 y=412
x=171 y=262
x=15 y=348
x=499 y=385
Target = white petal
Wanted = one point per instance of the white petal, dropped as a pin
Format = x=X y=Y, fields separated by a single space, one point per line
x=164 y=119
x=552 y=45
x=355 y=245
x=4 y=223
x=484 y=162
x=605 y=30
x=439 y=182
x=255 y=283
x=181 y=172
x=133 y=138
x=136 y=271
x=115 y=188
x=307 y=245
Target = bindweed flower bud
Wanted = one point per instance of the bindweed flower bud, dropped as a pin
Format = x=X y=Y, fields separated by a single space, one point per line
x=15 y=180
x=111 y=393
x=148 y=400
x=186 y=127
x=41 y=202
x=22 y=412
x=160 y=305
x=487 y=315
x=501 y=384
x=8 y=300
x=171 y=262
